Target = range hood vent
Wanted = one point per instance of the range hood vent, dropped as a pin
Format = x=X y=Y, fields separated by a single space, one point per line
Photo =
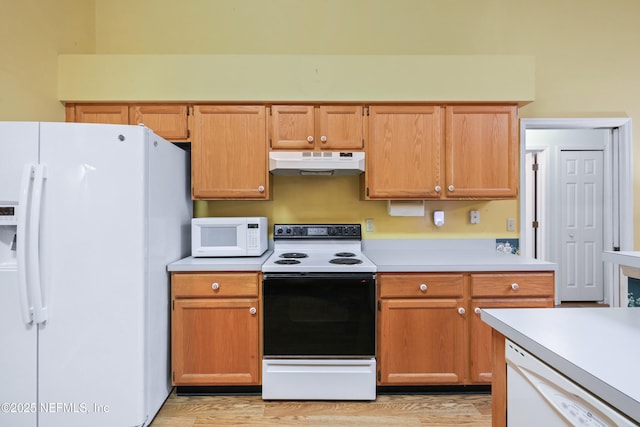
x=320 y=163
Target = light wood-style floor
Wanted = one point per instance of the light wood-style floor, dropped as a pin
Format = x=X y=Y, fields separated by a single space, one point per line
x=387 y=410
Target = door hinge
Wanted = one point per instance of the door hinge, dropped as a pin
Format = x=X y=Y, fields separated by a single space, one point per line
x=379 y=376
x=367 y=191
x=173 y=375
x=535 y=224
x=188 y=133
x=365 y=111
x=188 y=108
x=379 y=306
x=535 y=167
x=173 y=305
x=616 y=248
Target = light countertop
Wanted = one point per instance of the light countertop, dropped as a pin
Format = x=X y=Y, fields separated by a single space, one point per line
x=597 y=348
x=630 y=258
x=447 y=255
x=400 y=255
x=252 y=263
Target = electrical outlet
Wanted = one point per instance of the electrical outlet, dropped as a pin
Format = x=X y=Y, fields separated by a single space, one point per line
x=511 y=224
x=369 y=226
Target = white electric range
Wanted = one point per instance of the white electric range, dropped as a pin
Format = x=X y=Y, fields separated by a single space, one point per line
x=319 y=315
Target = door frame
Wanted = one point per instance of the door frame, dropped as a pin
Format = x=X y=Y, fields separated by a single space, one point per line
x=621 y=214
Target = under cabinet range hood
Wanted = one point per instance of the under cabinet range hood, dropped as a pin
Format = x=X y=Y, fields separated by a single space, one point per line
x=320 y=163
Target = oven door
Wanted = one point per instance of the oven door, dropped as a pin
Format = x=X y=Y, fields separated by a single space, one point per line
x=319 y=315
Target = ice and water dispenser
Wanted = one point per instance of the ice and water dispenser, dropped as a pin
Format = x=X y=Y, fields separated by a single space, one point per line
x=8 y=234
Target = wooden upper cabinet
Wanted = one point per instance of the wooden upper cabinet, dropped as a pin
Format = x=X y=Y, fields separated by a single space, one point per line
x=404 y=152
x=324 y=127
x=115 y=114
x=340 y=127
x=229 y=152
x=482 y=151
x=292 y=127
x=167 y=120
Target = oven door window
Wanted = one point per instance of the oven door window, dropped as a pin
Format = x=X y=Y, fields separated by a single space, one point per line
x=332 y=316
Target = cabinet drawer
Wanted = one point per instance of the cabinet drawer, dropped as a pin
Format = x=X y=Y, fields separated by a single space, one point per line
x=195 y=285
x=512 y=284
x=420 y=285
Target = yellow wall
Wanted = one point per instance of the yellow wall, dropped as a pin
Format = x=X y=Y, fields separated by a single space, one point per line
x=586 y=65
x=32 y=34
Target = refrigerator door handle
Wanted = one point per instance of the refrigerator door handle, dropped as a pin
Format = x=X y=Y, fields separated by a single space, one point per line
x=39 y=309
x=21 y=243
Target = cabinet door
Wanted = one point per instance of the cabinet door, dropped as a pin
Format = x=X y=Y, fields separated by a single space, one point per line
x=169 y=121
x=480 y=345
x=292 y=127
x=340 y=127
x=404 y=150
x=215 y=342
x=421 y=342
x=229 y=152
x=99 y=113
x=482 y=149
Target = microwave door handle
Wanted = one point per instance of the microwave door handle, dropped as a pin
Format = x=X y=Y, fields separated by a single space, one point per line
x=21 y=243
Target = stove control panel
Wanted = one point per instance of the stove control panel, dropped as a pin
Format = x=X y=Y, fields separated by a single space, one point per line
x=317 y=231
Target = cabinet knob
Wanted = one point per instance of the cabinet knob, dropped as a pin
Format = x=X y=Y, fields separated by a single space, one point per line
x=438 y=188
x=461 y=310
x=423 y=287
x=215 y=286
x=515 y=286
x=323 y=138
x=476 y=310
x=310 y=138
x=253 y=310
x=261 y=188
x=451 y=188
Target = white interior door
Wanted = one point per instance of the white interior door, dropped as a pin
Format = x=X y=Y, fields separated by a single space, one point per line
x=581 y=219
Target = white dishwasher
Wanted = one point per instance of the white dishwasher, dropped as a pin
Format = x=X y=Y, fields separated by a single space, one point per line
x=538 y=395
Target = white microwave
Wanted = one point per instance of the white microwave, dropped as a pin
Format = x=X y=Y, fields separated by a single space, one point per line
x=228 y=237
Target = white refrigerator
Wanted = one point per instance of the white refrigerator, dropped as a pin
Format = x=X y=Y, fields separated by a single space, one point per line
x=90 y=215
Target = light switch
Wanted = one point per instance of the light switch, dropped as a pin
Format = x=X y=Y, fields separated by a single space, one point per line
x=511 y=224
x=474 y=217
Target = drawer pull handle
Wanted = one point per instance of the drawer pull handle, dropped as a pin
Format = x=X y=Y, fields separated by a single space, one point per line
x=423 y=287
x=451 y=188
x=323 y=138
x=461 y=310
x=476 y=310
x=253 y=310
x=215 y=286
x=310 y=139
x=437 y=188
x=515 y=286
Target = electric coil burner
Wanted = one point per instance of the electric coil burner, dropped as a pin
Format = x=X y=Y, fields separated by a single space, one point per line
x=319 y=315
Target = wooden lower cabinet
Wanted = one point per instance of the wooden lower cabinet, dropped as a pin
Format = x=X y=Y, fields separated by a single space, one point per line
x=215 y=329
x=501 y=290
x=429 y=326
x=421 y=329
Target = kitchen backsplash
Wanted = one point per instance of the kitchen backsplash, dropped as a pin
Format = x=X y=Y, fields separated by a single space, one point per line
x=338 y=200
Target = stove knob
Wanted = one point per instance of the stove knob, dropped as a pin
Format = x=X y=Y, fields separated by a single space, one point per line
x=288 y=231
x=279 y=231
